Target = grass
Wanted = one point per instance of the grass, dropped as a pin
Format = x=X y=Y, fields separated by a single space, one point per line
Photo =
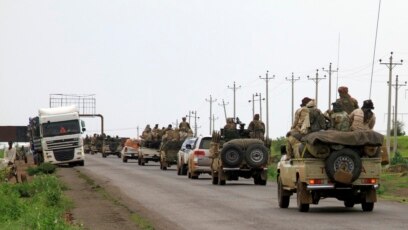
x=39 y=204
x=1 y=153
x=394 y=186
x=140 y=221
x=402 y=145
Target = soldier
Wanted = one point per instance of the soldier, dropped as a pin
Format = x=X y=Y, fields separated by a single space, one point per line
x=156 y=132
x=147 y=133
x=339 y=118
x=169 y=134
x=347 y=102
x=364 y=118
x=314 y=121
x=184 y=126
x=256 y=128
x=230 y=124
x=294 y=135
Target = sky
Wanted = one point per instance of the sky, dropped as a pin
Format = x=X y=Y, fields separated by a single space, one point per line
x=153 y=61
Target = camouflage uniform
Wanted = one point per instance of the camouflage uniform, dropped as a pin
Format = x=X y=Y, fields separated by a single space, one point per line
x=256 y=128
x=339 y=119
x=294 y=135
x=230 y=124
x=184 y=125
x=346 y=101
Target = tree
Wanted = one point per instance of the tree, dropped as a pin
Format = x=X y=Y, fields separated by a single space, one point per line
x=400 y=128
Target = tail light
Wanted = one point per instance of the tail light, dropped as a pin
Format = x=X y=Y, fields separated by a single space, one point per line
x=199 y=153
x=369 y=181
x=315 y=181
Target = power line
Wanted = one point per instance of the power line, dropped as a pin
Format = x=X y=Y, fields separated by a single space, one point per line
x=292 y=80
x=211 y=101
x=330 y=71
x=390 y=65
x=316 y=80
x=234 y=89
x=267 y=78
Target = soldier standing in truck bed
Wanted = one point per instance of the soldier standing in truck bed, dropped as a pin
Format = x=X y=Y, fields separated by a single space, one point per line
x=348 y=103
x=256 y=128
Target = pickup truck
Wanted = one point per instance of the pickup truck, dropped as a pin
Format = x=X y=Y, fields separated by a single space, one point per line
x=341 y=165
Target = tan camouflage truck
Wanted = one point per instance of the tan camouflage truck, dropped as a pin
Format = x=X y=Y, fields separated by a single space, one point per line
x=236 y=155
x=168 y=153
x=334 y=164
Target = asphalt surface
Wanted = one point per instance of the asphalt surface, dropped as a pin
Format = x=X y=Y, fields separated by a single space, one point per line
x=177 y=202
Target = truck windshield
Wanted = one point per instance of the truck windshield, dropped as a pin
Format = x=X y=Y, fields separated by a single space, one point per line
x=60 y=128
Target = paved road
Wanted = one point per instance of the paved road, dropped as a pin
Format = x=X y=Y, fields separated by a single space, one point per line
x=197 y=204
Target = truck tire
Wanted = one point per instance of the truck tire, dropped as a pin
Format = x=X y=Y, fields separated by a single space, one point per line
x=139 y=161
x=81 y=163
x=345 y=159
x=256 y=155
x=103 y=155
x=300 y=191
x=232 y=155
x=283 y=198
x=124 y=159
x=184 y=170
x=367 y=206
x=221 y=177
x=348 y=203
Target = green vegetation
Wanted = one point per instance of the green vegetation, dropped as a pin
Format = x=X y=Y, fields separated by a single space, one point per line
x=39 y=204
x=402 y=145
x=141 y=222
x=394 y=186
x=1 y=153
x=44 y=168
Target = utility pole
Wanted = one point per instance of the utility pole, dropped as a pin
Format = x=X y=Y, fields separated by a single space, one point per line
x=316 y=80
x=137 y=129
x=253 y=104
x=330 y=71
x=390 y=65
x=292 y=80
x=211 y=101
x=195 y=122
x=234 y=89
x=267 y=78
x=225 y=110
x=213 y=121
x=176 y=124
x=397 y=86
x=260 y=104
x=189 y=116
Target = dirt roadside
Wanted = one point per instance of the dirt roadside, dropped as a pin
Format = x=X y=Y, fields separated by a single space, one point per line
x=98 y=205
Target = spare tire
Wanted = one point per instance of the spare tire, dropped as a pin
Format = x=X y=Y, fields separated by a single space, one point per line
x=344 y=161
x=231 y=155
x=256 y=155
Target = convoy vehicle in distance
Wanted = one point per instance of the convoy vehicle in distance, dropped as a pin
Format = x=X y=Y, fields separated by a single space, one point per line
x=56 y=136
x=199 y=160
x=148 y=154
x=111 y=146
x=236 y=155
x=168 y=153
x=130 y=150
x=182 y=156
x=342 y=165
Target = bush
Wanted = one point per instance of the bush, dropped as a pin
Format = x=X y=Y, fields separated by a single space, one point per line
x=44 y=168
x=398 y=159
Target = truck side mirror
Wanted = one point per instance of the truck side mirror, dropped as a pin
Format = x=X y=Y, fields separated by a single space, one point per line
x=83 y=129
x=188 y=146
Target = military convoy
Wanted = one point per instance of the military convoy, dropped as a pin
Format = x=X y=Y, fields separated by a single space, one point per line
x=342 y=165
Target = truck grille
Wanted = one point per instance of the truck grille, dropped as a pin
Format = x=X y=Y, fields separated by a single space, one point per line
x=63 y=144
x=64 y=154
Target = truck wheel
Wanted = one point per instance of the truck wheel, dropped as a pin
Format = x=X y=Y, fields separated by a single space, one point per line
x=348 y=203
x=178 y=170
x=81 y=163
x=367 y=206
x=283 y=198
x=256 y=155
x=346 y=160
x=139 y=161
x=300 y=192
x=119 y=155
x=232 y=155
x=103 y=155
x=124 y=159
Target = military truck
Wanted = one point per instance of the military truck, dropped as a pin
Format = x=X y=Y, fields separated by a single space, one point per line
x=236 y=155
x=111 y=146
x=168 y=153
x=342 y=165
